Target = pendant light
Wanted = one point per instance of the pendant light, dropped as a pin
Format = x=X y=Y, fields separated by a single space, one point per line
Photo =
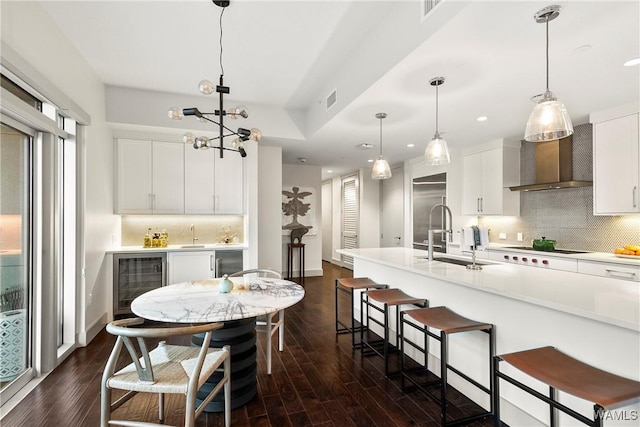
x=381 y=169
x=437 y=152
x=549 y=119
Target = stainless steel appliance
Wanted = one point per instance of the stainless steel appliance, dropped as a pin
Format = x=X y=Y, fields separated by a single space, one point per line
x=429 y=191
x=135 y=274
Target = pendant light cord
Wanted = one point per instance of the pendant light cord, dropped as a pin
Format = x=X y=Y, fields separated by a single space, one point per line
x=380 y=136
x=437 y=84
x=547 y=51
x=221 y=67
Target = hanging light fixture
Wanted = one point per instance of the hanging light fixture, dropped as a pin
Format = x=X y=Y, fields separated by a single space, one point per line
x=207 y=88
x=549 y=119
x=381 y=169
x=437 y=152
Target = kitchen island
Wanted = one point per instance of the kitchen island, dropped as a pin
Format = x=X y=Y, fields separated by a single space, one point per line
x=594 y=319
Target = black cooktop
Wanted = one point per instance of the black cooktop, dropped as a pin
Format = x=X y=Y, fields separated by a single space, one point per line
x=557 y=251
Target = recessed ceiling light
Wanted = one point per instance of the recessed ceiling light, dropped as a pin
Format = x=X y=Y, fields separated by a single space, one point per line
x=329 y=171
x=632 y=62
x=411 y=145
x=365 y=145
x=482 y=118
x=370 y=161
x=302 y=159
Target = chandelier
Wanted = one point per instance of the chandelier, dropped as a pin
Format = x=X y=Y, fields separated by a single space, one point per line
x=206 y=87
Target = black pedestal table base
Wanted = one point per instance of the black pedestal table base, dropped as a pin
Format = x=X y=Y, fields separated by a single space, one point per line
x=241 y=336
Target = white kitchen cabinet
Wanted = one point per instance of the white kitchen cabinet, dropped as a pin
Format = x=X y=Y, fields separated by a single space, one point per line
x=488 y=172
x=213 y=185
x=616 y=271
x=202 y=264
x=150 y=177
x=616 y=166
x=190 y=265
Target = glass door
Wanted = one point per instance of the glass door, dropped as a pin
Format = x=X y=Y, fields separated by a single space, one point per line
x=15 y=259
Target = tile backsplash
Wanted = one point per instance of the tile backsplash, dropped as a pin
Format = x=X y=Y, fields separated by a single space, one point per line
x=208 y=228
x=565 y=215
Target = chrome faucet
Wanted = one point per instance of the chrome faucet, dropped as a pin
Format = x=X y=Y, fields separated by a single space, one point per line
x=193 y=234
x=431 y=231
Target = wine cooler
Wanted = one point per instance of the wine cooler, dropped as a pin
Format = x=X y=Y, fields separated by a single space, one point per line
x=135 y=274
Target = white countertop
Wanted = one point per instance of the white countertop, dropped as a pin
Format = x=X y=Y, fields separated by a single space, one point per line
x=181 y=248
x=607 y=300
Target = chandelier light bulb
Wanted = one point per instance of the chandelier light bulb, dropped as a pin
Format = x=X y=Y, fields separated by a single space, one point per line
x=188 y=138
x=175 y=113
x=256 y=135
x=206 y=87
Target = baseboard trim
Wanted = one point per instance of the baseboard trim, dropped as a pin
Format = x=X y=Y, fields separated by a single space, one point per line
x=87 y=336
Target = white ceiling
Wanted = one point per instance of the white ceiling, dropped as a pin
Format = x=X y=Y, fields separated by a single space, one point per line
x=379 y=55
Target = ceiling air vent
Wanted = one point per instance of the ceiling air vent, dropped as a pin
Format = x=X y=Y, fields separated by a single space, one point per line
x=332 y=98
x=428 y=6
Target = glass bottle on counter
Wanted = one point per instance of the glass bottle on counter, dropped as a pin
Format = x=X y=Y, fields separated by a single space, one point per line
x=147 y=239
x=155 y=240
x=164 y=238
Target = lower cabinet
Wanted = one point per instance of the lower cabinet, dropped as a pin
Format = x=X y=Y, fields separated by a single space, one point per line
x=201 y=265
x=616 y=271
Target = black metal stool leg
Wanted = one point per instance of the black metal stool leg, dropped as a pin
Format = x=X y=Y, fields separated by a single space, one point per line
x=443 y=377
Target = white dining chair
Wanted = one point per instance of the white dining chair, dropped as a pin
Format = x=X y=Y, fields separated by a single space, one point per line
x=272 y=322
x=177 y=369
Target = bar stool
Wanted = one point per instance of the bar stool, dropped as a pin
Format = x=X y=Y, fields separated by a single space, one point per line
x=348 y=285
x=561 y=372
x=388 y=298
x=448 y=322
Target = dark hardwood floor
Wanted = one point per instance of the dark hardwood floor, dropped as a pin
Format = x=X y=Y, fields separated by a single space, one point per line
x=318 y=380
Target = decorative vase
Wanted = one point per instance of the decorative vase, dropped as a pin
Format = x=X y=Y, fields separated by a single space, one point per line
x=226 y=285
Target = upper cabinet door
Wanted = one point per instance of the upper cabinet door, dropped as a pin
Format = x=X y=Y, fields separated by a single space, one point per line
x=150 y=177
x=168 y=178
x=616 y=166
x=229 y=183
x=134 y=188
x=199 y=181
x=487 y=174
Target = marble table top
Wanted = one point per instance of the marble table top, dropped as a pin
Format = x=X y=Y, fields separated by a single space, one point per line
x=201 y=301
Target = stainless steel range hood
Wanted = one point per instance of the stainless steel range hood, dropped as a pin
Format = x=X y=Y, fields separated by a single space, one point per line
x=554 y=167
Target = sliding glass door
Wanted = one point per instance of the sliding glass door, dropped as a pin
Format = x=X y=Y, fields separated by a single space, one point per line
x=15 y=258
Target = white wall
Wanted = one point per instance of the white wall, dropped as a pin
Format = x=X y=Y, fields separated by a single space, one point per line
x=327 y=220
x=27 y=28
x=369 y=232
x=310 y=177
x=269 y=212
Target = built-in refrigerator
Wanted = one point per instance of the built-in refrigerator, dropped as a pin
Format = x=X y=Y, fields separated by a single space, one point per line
x=429 y=191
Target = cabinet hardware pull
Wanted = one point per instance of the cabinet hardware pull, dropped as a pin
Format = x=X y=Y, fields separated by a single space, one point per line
x=481 y=204
x=625 y=273
x=635 y=196
x=478 y=204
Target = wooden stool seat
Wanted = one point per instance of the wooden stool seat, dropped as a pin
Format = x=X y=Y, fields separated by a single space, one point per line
x=572 y=376
x=393 y=297
x=348 y=285
x=446 y=320
x=357 y=283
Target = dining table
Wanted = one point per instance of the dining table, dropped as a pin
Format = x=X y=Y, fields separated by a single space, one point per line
x=202 y=301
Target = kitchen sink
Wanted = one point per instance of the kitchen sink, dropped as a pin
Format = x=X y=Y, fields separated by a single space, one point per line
x=191 y=246
x=456 y=261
